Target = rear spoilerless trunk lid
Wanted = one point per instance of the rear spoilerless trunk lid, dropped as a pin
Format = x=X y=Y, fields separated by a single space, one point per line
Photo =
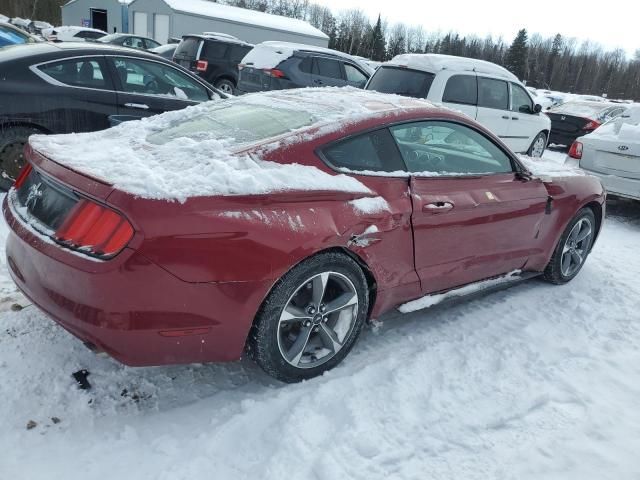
x=564 y=123
x=612 y=156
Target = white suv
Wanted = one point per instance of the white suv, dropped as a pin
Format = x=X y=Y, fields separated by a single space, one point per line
x=485 y=91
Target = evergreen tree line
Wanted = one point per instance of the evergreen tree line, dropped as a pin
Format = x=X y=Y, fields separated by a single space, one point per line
x=556 y=63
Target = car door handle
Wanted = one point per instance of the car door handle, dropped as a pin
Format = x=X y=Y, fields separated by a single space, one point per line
x=140 y=106
x=515 y=118
x=437 y=207
x=318 y=82
x=506 y=117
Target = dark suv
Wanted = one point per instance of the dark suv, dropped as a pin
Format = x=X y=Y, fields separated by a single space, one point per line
x=279 y=65
x=214 y=57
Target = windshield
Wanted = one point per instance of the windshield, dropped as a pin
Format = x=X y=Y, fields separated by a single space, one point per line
x=8 y=36
x=108 y=38
x=401 y=81
x=241 y=122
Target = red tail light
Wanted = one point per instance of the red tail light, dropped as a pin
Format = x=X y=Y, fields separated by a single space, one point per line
x=202 y=65
x=592 y=125
x=241 y=66
x=274 y=72
x=94 y=229
x=576 y=150
x=24 y=173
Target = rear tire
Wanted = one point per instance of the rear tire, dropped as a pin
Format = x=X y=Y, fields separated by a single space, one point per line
x=538 y=146
x=12 y=142
x=225 y=86
x=311 y=319
x=572 y=249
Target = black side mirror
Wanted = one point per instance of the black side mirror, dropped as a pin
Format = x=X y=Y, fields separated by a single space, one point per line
x=537 y=108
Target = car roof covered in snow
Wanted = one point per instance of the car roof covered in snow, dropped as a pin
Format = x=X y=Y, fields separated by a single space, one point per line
x=270 y=54
x=432 y=62
x=206 y=8
x=217 y=148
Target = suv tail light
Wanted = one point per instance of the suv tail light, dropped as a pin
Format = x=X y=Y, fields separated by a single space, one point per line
x=94 y=229
x=274 y=72
x=576 y=150
x=202 y=65
x=592 y=125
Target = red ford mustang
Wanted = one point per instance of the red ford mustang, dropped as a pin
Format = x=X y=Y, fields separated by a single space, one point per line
x=277 y=223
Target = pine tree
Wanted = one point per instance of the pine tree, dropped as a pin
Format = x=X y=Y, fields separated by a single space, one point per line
x=378 y=42
x=516 y=60
x=556 y=47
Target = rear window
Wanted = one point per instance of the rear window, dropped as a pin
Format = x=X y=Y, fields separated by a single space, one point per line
x=188 y=48
x=237 y=53
x=579 y=109
x=214 y=50
x=240 y=121
x=401 y=81
x=89 y=34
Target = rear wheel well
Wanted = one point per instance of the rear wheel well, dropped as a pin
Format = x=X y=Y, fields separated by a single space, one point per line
x=11 y=124
x=596 y=208
x=225 y=77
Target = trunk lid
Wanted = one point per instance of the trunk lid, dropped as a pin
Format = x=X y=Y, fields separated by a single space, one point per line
x=612 y=155
x=568 y=124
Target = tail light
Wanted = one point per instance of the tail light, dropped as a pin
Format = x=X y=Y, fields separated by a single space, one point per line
x=274 y=72
x=24 y=173
x=592 y=125
x=94 y=229
x=576 y=150
x=202 y=65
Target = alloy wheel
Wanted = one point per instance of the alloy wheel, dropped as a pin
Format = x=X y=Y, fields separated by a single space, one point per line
x=575 y=247
x=538 y=147
x=317 y=320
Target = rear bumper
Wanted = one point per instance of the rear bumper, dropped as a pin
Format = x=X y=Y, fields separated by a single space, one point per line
x=620 y=186
x=129 y=307
x=561 y=138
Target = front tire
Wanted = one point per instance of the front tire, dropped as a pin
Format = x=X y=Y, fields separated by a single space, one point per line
x=12 y=142
x=311 y=319
x=538 y=146
x=572 y=249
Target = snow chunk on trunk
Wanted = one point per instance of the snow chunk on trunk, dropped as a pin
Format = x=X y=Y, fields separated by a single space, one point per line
x=370 y=205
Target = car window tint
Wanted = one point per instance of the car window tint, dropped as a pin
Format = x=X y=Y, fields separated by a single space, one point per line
x=141 y=76
x=134 y=42
x=373 y=151
x=151 y=43
x=89 y=34
x=326 y=67
x=237 y=53
x=77 y=72
x=445 y=148
x=306 y=64
x=493 y=93
x=461 y=89
x=401 y=81
x=354 y=74
x=520 y=101
x=213 y=50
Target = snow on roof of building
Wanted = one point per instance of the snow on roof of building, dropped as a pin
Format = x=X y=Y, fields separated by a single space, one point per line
x=207 y=8
x=202 y=150
x=433 y=62
x=270 y=54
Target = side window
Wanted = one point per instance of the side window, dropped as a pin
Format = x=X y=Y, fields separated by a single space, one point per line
x=87 y=72
x=354 y=74
x=237 y=53
x=326 y=67
x=520 y=101
x=153 y=78
x=373 y=151
x=89 y=34
x=448 y=149
x=461 y=89
x=493 y=93
x=213 y=49
x=148 y=43
x=306 y=65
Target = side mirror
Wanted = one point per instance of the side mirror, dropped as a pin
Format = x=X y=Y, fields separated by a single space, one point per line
x=537 y=108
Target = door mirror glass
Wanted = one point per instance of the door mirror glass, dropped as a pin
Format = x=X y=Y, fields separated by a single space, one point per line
x=537 y=108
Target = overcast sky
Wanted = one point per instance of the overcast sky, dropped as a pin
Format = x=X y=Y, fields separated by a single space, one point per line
x=613 y=24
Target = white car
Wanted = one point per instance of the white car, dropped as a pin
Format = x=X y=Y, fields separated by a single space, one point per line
x=485 y=91
x=612 y=153
x=71 y=34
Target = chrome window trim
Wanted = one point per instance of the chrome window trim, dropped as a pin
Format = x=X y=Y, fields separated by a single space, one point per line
x=52 y=81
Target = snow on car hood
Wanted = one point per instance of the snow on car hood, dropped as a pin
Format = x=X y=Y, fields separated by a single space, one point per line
x=623 y=128
x=194 y=152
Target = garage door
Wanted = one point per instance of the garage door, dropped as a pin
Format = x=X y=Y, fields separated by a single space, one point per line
x=161 y=28
x=140 y=24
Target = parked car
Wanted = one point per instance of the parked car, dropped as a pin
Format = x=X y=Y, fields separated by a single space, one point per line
x=612 y=153
x=165 y=51
x=214 y=57
x=281 y=65
x=539 y=98
x=72 y=87
x=485 y=91
x=132 y=41
x=71 y=34
x=577 y=118
x=280 y=221
x=10 y=35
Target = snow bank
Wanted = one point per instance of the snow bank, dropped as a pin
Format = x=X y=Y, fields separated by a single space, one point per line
x=195 y=151
x=431 y=300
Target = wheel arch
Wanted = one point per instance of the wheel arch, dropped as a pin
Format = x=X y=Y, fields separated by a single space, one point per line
x=22 y=123
x=598 y=213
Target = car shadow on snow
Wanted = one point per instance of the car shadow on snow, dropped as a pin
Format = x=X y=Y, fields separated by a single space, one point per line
x=623 y=210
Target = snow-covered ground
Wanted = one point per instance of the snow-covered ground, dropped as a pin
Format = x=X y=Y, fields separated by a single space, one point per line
x=533 y=382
